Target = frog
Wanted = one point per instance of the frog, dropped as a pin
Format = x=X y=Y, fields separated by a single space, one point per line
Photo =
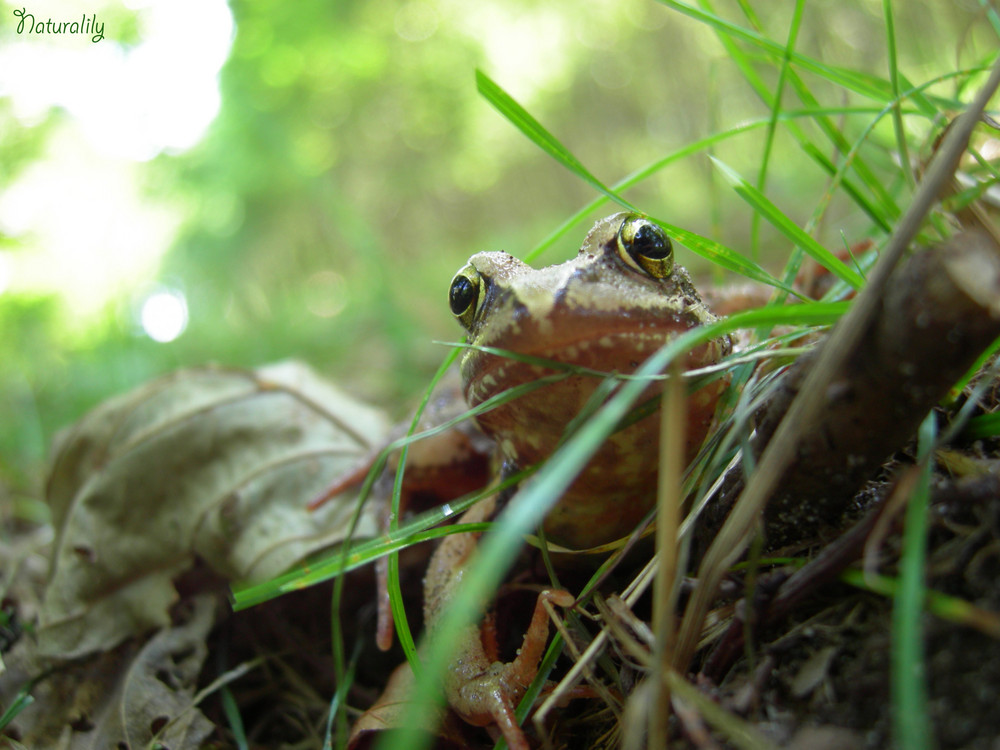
x=608 y=309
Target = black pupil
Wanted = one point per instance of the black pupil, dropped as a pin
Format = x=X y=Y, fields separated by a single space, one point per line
x=649 y=242
x=461 y=295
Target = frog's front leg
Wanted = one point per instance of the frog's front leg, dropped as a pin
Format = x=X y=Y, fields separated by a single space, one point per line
x=440 y=468
x=478 y=687
x=484 y=691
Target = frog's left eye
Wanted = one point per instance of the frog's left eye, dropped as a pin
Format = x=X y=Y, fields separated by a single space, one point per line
x=463 y=296
x=646 y=247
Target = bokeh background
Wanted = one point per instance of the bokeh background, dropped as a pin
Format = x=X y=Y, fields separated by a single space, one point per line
x=251 y=181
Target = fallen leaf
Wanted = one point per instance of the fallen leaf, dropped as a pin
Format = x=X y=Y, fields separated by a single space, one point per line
x=128 y=697
x=388 y=712
x=207 y=462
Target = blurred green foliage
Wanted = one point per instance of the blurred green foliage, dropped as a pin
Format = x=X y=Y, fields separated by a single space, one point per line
x=352 y=168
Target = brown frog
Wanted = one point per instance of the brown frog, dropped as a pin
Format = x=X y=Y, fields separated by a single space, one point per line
x=608 y=309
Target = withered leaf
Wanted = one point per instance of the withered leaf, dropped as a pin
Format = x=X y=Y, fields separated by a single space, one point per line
x=211 y=462
x=389 y=711
x=127 y=697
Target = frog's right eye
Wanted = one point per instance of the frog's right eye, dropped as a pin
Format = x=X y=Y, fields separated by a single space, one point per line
x=464 y=294
x=645 y=247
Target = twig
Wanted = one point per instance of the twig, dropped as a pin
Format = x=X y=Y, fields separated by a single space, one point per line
x=780 y=452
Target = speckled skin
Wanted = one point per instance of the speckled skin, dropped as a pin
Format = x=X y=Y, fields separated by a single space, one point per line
x=597 y=311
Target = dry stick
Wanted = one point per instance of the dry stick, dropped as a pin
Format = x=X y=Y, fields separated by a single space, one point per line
x=939 y=311
x=821 y=569
x=780 y=452
x=672 y=437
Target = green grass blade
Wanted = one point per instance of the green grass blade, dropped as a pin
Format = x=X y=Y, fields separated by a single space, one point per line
x=991 y=14
x=541 y=137
x=772 y=125
x=21 y=701
x=723 y=256
x=909 y=691
x=897 y=115
x=830 y=129
x=950 y=608
x=790 y=229
x=326 y=566
x=983 y=426
x=971 y=373
x=852 y=190
x=232 y=713
x=866 y=85
x=637 y=177
x=885 y=211
x=704 y=144
x=393 y=585
x=889 y=207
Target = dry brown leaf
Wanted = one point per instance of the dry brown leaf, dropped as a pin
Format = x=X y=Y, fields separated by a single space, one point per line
x=390 y=709
x=210 y=462
x=124 y=698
